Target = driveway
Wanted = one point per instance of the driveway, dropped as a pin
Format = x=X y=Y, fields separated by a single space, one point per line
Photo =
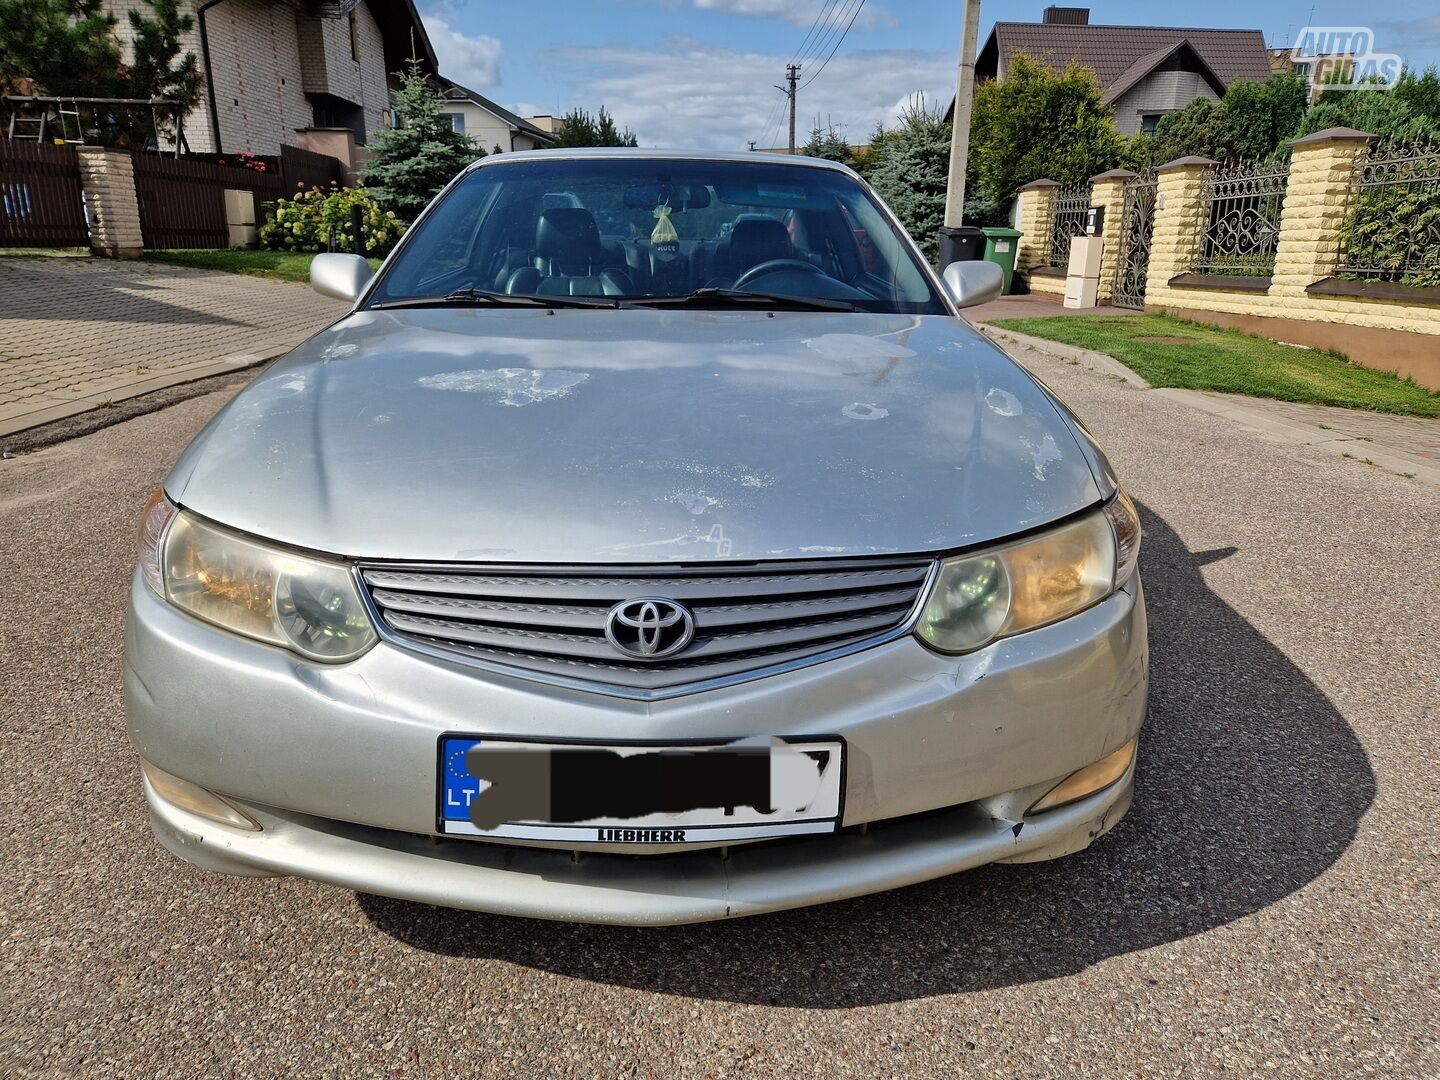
x=82 y=333
x=1272 y=903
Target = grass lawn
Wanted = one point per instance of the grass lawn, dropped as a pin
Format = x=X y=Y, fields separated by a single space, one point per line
x=1173 y=352
x=279 y=265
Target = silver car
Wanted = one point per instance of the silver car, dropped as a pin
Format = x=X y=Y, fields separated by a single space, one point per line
x=673 y=551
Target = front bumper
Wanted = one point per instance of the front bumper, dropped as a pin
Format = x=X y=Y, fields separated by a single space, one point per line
x=338 y=764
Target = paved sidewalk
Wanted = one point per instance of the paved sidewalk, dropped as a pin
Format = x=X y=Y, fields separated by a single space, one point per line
x=1035 y=306
x=1406 y=445
x=78 y=334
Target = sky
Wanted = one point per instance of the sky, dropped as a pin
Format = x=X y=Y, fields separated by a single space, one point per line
x=703 y=73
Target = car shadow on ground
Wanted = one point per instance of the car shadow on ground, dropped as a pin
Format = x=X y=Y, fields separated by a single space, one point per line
x=1251 y=784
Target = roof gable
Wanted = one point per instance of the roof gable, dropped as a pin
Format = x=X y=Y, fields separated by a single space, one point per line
x=453 y=91
x=1182 y=50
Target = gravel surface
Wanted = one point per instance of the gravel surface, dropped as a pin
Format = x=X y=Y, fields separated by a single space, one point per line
x=1270 y=904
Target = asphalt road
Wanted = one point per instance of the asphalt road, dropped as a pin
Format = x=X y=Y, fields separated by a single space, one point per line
x=1271 y=904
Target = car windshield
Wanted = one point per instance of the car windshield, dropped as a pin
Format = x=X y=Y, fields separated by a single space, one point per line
x=633 y=230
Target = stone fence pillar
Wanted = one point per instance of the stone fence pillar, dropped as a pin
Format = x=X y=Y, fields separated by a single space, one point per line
x=1179 y=221
x=1317 y=201
x=113 y=208
x=1108 y=190
x=1037 y=202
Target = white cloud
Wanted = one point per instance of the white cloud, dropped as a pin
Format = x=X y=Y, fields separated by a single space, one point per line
x=471 y=60
x=804 y=12
x=687 y=93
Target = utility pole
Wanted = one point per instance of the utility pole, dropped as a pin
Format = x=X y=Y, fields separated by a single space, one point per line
x=956 y=241
x=792 y=75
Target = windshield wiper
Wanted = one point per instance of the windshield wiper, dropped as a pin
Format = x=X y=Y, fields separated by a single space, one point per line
x=481 y=297
x=713 y=298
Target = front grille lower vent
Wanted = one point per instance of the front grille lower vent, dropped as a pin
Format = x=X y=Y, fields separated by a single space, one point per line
x=552 y=621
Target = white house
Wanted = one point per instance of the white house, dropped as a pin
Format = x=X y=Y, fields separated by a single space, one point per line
x=490 y=125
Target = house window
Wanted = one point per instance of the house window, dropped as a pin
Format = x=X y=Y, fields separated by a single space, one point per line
x=354 y=38
x=457 y=122
x=1301 y=68
x=1148 y=122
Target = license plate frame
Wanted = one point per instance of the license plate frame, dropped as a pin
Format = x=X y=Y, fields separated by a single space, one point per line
x=700 y=827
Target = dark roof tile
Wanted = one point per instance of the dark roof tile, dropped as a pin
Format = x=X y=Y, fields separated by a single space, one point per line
x=1112 y=51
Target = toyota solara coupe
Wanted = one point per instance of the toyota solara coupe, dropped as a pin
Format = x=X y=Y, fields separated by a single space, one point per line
x=652 y=542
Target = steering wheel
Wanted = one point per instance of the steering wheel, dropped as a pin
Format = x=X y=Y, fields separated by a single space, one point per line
x=770 y=266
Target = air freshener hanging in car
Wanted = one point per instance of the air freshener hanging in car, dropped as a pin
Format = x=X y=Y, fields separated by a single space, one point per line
x=664 y=241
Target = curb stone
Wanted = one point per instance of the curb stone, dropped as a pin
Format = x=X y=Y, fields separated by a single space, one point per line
x=1252 y=418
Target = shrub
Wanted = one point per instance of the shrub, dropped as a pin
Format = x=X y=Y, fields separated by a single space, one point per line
x=1395 y=229
x=910 y=172
x=1040 y=122
x=315 y=220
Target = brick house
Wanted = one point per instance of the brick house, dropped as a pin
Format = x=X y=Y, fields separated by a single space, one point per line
x=1144 y=71
x=275 y=68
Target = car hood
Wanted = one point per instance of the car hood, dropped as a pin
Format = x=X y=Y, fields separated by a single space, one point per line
x=579 y=436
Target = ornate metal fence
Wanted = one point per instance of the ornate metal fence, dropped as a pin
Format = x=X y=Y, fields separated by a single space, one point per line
x=1242 y=203
x=1137 y=227
x=1393 y=231
x=1067 y=220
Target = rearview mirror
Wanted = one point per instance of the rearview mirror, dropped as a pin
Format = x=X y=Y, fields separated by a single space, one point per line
x=970 y=283
x=679 y=197
x=341 y=276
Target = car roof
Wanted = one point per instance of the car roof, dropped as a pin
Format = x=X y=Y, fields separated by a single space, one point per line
x=633 y=153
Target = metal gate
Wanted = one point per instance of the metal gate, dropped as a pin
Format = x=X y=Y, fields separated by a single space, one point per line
x=1137 y=224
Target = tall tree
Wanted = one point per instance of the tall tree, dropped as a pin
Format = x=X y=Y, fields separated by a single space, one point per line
x=910 y=170
x=579 y=128
x=1037 y=123
x=411 y=162
x=59 y=47
x=160 y=68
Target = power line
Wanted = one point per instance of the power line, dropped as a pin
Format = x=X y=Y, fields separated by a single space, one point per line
x=772 y=123
x=795 y=56
x=835 y=17
x=822 y=41
x=837 y=45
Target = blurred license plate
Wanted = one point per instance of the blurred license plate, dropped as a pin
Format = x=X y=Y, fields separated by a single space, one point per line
x=632 y=794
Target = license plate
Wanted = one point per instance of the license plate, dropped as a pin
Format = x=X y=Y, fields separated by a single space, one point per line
x=630 y=793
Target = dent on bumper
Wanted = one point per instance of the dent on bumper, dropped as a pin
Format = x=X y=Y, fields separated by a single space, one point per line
x=638 y=891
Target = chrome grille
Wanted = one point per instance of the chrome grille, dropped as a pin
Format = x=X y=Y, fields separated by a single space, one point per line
x=551 y=622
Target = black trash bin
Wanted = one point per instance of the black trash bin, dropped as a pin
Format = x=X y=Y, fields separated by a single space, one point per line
x=961 y=243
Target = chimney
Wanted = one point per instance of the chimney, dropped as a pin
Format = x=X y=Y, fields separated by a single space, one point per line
x=1067 y=16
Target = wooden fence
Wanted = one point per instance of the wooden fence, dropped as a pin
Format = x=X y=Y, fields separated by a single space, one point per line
x=41 y=201
x=301 y=170
x=182 y=201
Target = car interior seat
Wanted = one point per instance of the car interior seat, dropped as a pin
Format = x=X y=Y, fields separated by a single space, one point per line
x=570 y=259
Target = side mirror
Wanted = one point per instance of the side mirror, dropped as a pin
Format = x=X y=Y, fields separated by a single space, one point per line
x=972 y=283
x=342 y=276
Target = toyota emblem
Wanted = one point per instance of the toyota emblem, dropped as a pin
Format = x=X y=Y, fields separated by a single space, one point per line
x=649 y=627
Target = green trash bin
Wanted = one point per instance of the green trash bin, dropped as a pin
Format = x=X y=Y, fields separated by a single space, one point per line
x=1000 y=245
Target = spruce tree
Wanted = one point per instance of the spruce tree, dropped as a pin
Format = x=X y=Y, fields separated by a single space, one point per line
x=421 y=154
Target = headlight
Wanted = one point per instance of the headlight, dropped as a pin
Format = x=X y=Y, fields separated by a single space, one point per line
x=307 y=605
x=993 y=594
